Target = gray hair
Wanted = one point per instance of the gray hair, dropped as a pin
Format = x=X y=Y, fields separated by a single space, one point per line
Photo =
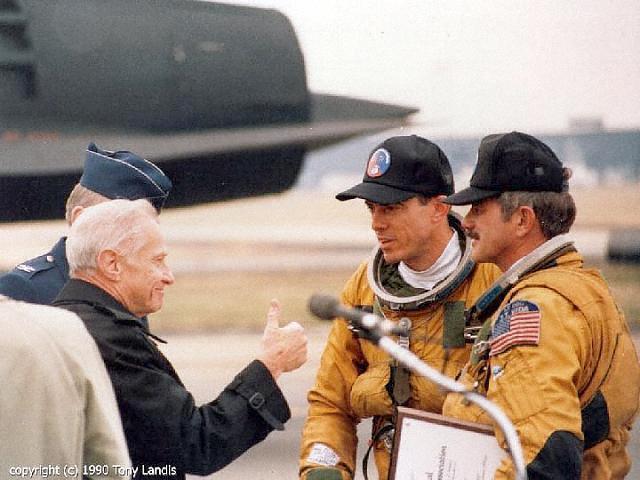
x=115 y=224
x=81 y=197
x=555 y=211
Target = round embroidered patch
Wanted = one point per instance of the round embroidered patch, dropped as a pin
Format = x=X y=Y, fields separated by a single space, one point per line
x=379 y=163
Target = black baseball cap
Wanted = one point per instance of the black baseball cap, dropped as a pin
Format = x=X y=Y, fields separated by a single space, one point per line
x=403 y=167
x=512 y=162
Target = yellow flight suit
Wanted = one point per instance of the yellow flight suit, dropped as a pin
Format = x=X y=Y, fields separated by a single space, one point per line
x=352 y=380
x=573 y=393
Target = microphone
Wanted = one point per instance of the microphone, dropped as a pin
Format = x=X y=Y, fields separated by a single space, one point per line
x=328 y=308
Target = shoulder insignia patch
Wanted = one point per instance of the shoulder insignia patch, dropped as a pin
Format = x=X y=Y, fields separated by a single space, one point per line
x=323 y=455
x=518 y=324
x=25 y=268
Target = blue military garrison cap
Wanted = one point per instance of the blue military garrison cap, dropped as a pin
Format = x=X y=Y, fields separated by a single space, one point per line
x=124 y=174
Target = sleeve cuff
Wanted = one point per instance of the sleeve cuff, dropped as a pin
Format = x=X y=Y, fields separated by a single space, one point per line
x=256 y=385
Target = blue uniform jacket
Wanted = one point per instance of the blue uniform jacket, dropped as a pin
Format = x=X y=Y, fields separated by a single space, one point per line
x=40 y=279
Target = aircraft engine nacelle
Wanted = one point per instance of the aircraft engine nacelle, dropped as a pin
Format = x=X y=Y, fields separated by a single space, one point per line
x=149 y=64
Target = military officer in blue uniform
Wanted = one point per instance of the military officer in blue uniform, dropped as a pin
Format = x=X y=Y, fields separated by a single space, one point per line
x=106 y=175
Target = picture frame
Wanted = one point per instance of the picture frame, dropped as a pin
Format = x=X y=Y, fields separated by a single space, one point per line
x=428 y=446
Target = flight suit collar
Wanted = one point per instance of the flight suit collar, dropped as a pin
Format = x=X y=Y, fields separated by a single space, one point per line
x=570 y=259
x=394 y=293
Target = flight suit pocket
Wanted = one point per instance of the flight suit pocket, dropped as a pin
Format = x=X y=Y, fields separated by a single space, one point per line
x=514 y=386
x=369 y=396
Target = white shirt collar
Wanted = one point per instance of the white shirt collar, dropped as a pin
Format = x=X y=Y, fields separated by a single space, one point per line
x=441 y=268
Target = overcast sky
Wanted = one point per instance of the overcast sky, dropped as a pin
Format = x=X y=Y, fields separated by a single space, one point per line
x=477 y=66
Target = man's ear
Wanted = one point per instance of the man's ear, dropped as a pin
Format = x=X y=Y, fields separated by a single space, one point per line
x=440 y=209
x=526 y=220
x=110 y=264
x=75 y=213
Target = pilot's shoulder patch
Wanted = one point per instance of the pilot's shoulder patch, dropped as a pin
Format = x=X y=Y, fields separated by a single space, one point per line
x=518 y=324
x=323 y=455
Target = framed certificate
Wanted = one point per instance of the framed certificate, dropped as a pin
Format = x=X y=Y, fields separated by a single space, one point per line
x=428 y=446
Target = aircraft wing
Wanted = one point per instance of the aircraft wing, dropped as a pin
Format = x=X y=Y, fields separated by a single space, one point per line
x=39 y=168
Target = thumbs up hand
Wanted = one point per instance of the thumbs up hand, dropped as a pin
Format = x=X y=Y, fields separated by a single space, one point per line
x=283 y=348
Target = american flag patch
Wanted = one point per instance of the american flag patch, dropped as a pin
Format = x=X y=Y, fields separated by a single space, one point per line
x=517 y=324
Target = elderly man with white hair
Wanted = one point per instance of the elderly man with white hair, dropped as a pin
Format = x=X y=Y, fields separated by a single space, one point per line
x=118 y=272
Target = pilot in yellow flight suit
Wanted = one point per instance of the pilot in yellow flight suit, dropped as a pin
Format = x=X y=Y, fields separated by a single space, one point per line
x=421 y=275
x=555 y=352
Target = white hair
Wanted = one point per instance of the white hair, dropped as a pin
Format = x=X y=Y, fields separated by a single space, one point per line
x=117 y=225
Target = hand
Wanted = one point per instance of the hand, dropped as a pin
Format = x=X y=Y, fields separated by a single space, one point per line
x=283 y=348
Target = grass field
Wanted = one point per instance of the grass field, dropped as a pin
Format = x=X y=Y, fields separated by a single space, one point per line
x=238 y=300
x=624 y=281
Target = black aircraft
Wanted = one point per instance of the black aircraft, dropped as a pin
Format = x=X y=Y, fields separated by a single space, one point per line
x=215 y=94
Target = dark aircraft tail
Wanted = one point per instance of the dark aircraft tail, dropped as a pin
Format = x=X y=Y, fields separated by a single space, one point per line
x=215 y=94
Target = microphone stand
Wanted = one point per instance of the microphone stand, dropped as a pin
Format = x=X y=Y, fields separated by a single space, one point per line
x=375 y=332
